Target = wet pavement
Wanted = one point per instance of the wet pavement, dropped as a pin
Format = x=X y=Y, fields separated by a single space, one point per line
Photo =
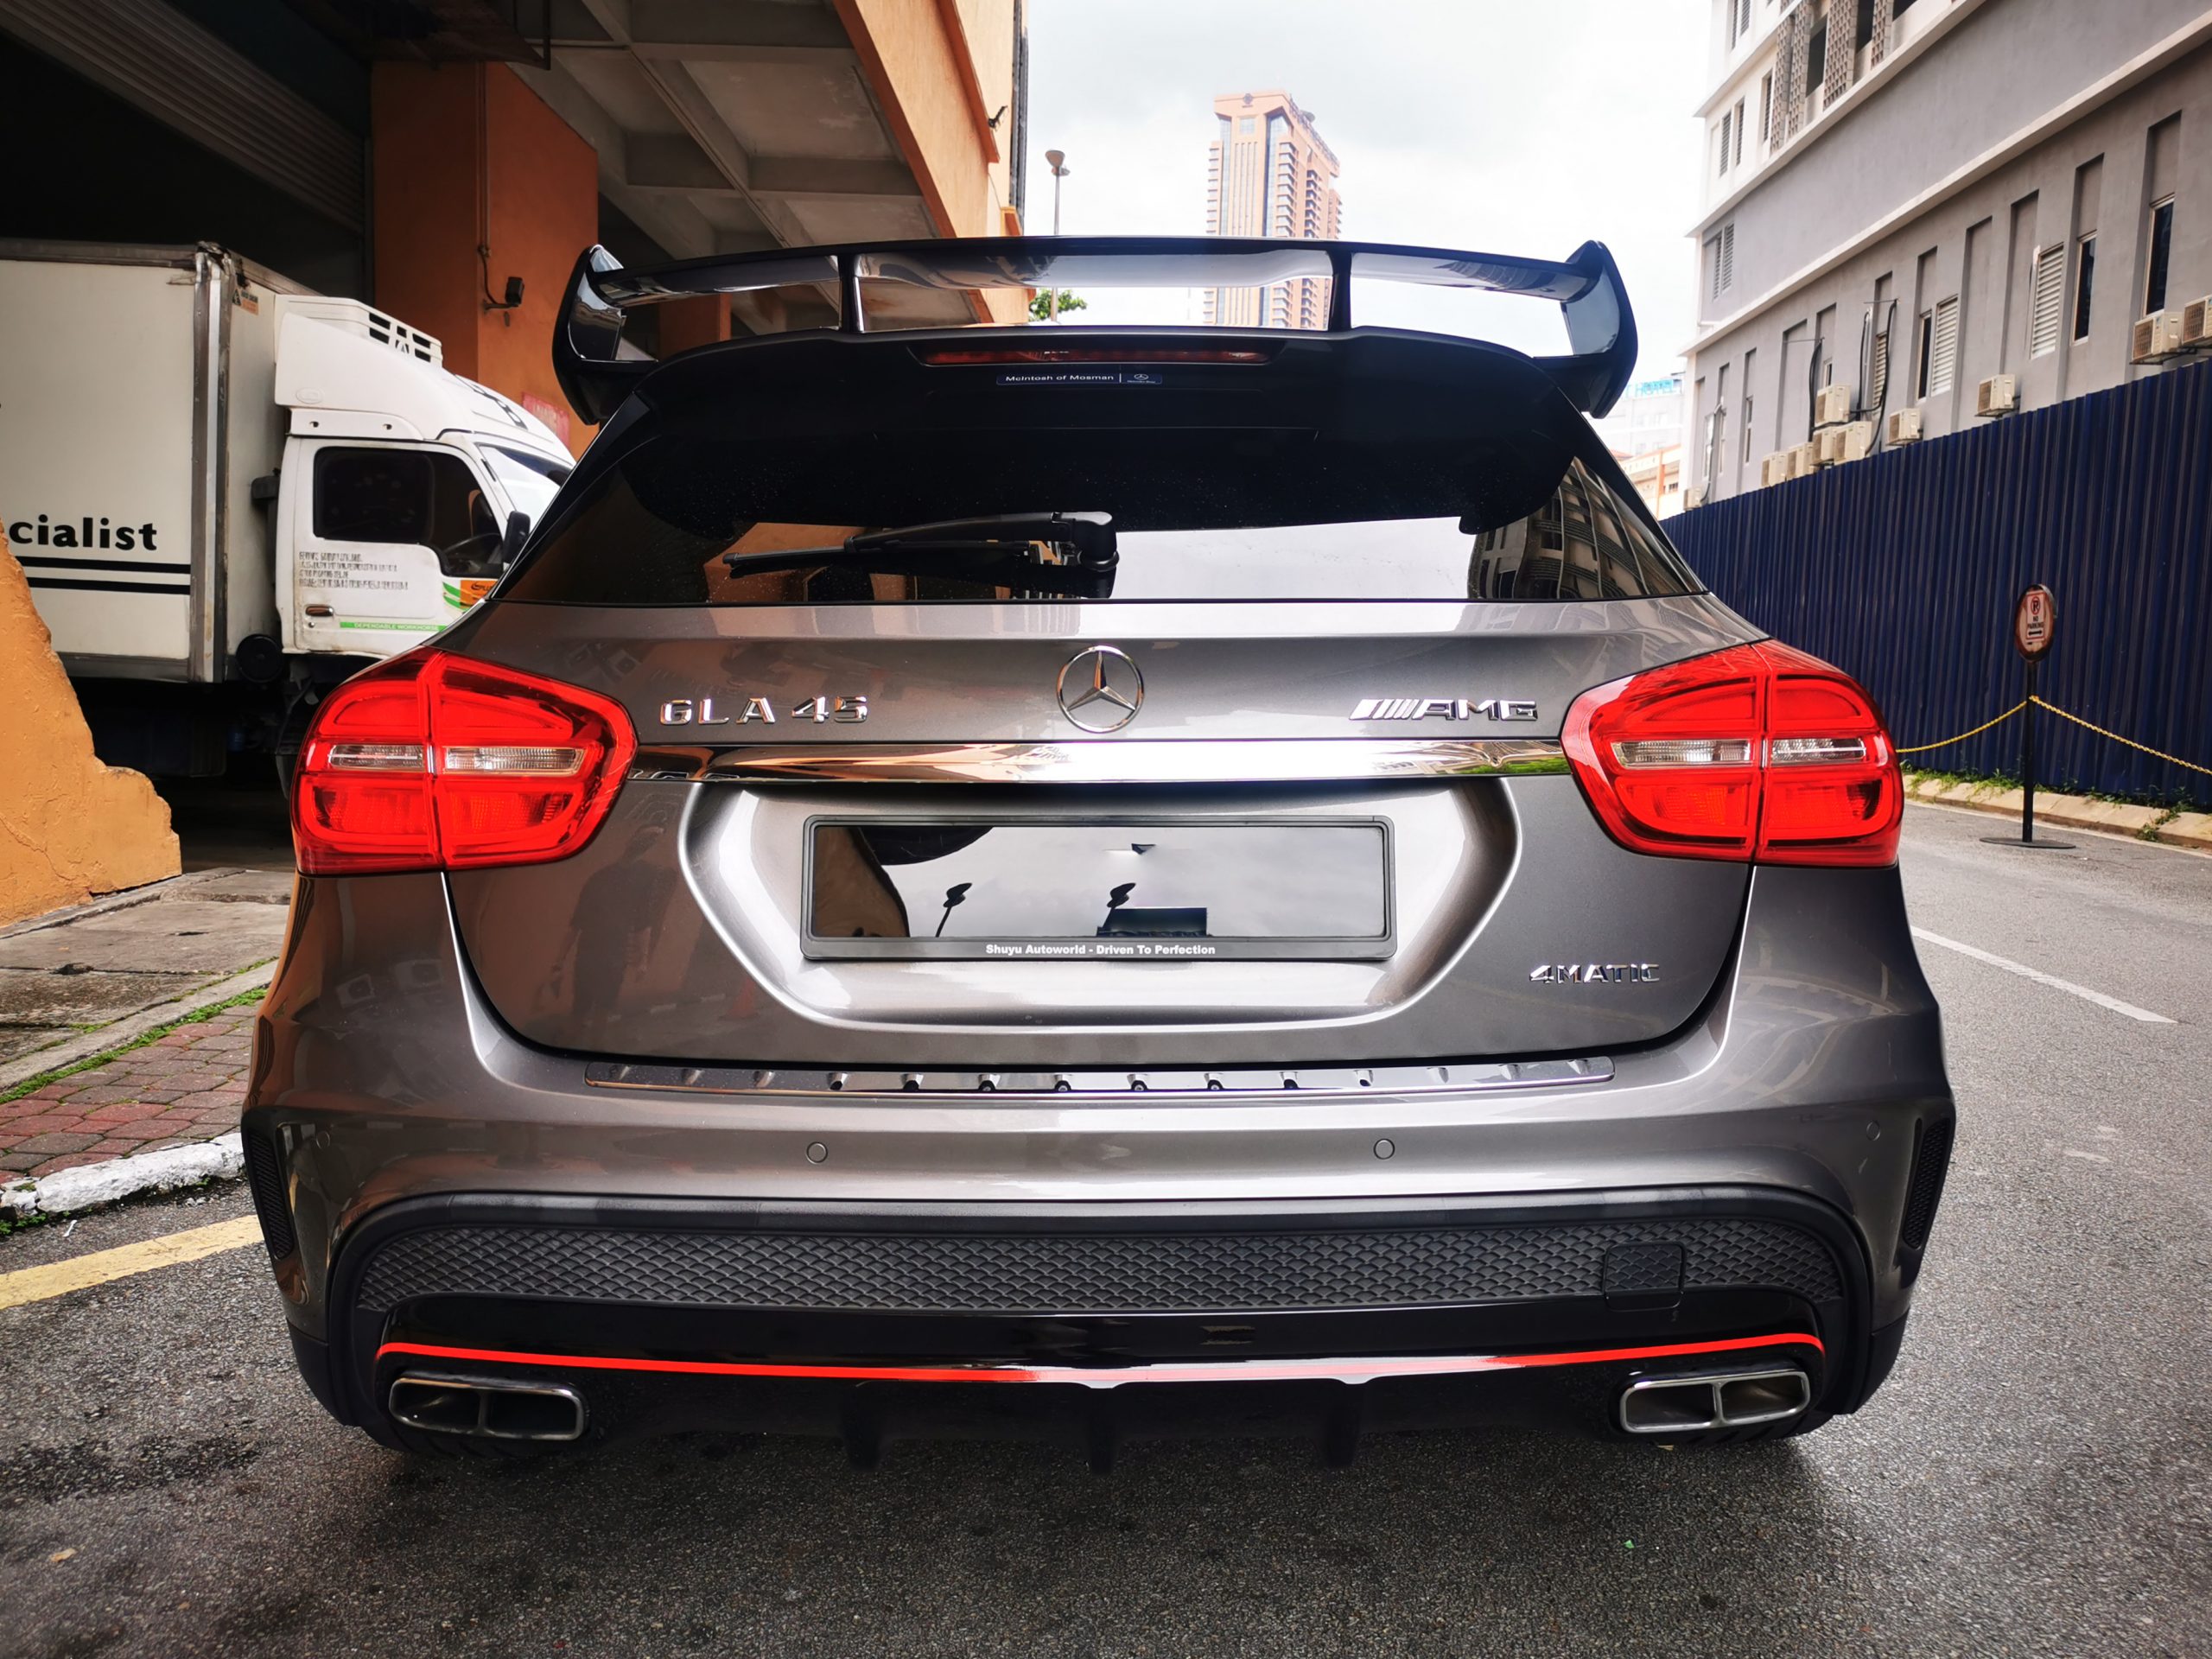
x=2036 y=1479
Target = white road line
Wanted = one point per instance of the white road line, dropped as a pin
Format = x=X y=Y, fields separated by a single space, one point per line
x=2041 y=978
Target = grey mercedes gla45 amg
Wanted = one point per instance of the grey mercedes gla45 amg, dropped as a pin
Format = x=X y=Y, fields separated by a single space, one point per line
x=1095 y=880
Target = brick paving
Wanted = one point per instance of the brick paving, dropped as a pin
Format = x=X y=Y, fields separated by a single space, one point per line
x=185 y=1086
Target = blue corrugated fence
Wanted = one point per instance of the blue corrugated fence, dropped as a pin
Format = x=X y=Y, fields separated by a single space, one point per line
x=1903 y=570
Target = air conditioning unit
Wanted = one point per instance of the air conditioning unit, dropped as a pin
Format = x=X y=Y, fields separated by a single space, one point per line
x=1855 y=441
x=2196 y=325
x=1903 y=427
x=1998 y=395
x=1775 y=469
x=1827 y=446
x=1831 y=405
x=1804 y=460
x=2157 y=336
x=368 y=324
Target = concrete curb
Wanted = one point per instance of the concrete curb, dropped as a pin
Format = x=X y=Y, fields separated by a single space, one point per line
x=109 y=1038
x=2189 y=830
x=89 y=1185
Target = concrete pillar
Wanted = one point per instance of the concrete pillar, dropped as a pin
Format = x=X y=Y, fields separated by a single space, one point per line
x=476 y=180
x=920 y=62
x=70 y=827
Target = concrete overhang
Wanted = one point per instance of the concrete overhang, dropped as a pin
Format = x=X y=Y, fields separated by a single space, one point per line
x=727 y=126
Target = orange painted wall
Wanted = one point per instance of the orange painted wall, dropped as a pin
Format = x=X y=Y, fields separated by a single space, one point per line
x=686 y=323
x=70 y=827
x=465 y=155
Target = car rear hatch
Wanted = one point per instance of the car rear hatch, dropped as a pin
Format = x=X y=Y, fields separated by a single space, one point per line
x=1250 y=759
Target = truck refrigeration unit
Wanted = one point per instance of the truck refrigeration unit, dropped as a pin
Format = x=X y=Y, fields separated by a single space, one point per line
x=228 y=493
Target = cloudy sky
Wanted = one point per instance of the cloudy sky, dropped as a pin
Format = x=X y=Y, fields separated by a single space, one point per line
x=1510 y=128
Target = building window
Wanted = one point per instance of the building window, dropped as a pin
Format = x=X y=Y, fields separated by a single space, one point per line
x=2046 y=299
x=1724 y=145
x=1720 y=257
x=1922 y=346
x=1863 y=36
x=2161 y=248
x=1744 y=17
x=1746 y=460
x=2085 y=271
x=1738 y=155
x=1246 y=126
x=1766 y=107
x=1943 y=347
x=1816 y=48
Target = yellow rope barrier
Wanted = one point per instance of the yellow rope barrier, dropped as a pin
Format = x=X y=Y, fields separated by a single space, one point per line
x=2174 y=759
x=2052 y=708
x=1922 y=748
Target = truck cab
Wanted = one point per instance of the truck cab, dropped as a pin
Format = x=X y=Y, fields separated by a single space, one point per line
x=401 y=484
x=228 y=493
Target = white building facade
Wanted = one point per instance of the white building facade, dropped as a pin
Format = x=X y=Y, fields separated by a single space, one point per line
x=1920 y=213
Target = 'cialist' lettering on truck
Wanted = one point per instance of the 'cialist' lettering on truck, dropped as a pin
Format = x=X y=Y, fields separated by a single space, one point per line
x=84 y=532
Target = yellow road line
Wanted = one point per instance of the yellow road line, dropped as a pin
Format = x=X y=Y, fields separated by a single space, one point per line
x=97 y=1268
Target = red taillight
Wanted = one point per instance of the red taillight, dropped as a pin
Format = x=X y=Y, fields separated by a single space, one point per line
x=433 y=761
x=1755 y=753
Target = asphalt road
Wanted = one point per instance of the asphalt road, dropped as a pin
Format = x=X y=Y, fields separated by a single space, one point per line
x=2036 y=1478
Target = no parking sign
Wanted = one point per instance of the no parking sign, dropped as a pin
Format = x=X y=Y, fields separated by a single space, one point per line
x=2035 y=622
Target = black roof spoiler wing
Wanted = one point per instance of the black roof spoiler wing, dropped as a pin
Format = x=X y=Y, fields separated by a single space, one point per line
x=595 y=376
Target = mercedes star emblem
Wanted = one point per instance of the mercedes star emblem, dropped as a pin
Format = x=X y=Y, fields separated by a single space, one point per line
x=1101 y=688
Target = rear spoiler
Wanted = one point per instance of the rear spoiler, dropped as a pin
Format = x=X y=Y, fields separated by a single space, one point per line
x=596 y=375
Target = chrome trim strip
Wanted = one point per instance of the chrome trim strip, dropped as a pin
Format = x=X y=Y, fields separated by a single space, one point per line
x=1124 y=1086
x=1125 y=760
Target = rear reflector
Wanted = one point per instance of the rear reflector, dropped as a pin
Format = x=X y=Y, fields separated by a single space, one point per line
x=1755 y=753
x=432 y=761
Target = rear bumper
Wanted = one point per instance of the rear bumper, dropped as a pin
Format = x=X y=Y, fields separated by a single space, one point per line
x=794 y=1317
x=393 y=1124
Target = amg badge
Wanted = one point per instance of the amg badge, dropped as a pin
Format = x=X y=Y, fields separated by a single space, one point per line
x=1595 y=973
x=1442 y=708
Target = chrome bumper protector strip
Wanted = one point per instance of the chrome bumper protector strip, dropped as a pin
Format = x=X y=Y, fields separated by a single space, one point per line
x=1124 y=761
x=1345 y=1080
x=1351 y=1369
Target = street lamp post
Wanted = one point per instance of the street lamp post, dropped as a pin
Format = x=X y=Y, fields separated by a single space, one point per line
x=1057 y=160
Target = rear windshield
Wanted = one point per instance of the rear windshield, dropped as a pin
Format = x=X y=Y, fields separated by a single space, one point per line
x=1220 y=517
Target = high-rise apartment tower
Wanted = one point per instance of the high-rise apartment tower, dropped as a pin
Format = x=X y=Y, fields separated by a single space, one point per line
x=1269 y=174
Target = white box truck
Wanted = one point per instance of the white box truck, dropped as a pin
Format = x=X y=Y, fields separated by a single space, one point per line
x=228 y=492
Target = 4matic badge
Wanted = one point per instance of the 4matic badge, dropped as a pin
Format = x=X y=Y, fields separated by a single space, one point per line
x=1595 y=973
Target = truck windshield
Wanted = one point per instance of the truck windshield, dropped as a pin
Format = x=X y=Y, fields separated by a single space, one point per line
x=531 y=481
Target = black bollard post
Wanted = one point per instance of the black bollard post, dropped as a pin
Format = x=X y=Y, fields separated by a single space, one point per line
x=2035 y=623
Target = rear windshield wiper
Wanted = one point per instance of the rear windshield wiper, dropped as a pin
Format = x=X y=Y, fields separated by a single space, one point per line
x=1070 y=553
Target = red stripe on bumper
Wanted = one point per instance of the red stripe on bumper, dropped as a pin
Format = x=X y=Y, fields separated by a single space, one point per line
x=1233 y=1370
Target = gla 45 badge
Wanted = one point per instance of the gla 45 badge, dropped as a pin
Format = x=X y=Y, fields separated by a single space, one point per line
x=702 y=711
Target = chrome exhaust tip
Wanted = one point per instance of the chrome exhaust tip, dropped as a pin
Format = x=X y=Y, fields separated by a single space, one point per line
x=489 y=1408
x=1701 y=1402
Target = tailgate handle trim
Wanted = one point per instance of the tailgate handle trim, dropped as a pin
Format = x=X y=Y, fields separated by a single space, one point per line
x=1123 y=760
